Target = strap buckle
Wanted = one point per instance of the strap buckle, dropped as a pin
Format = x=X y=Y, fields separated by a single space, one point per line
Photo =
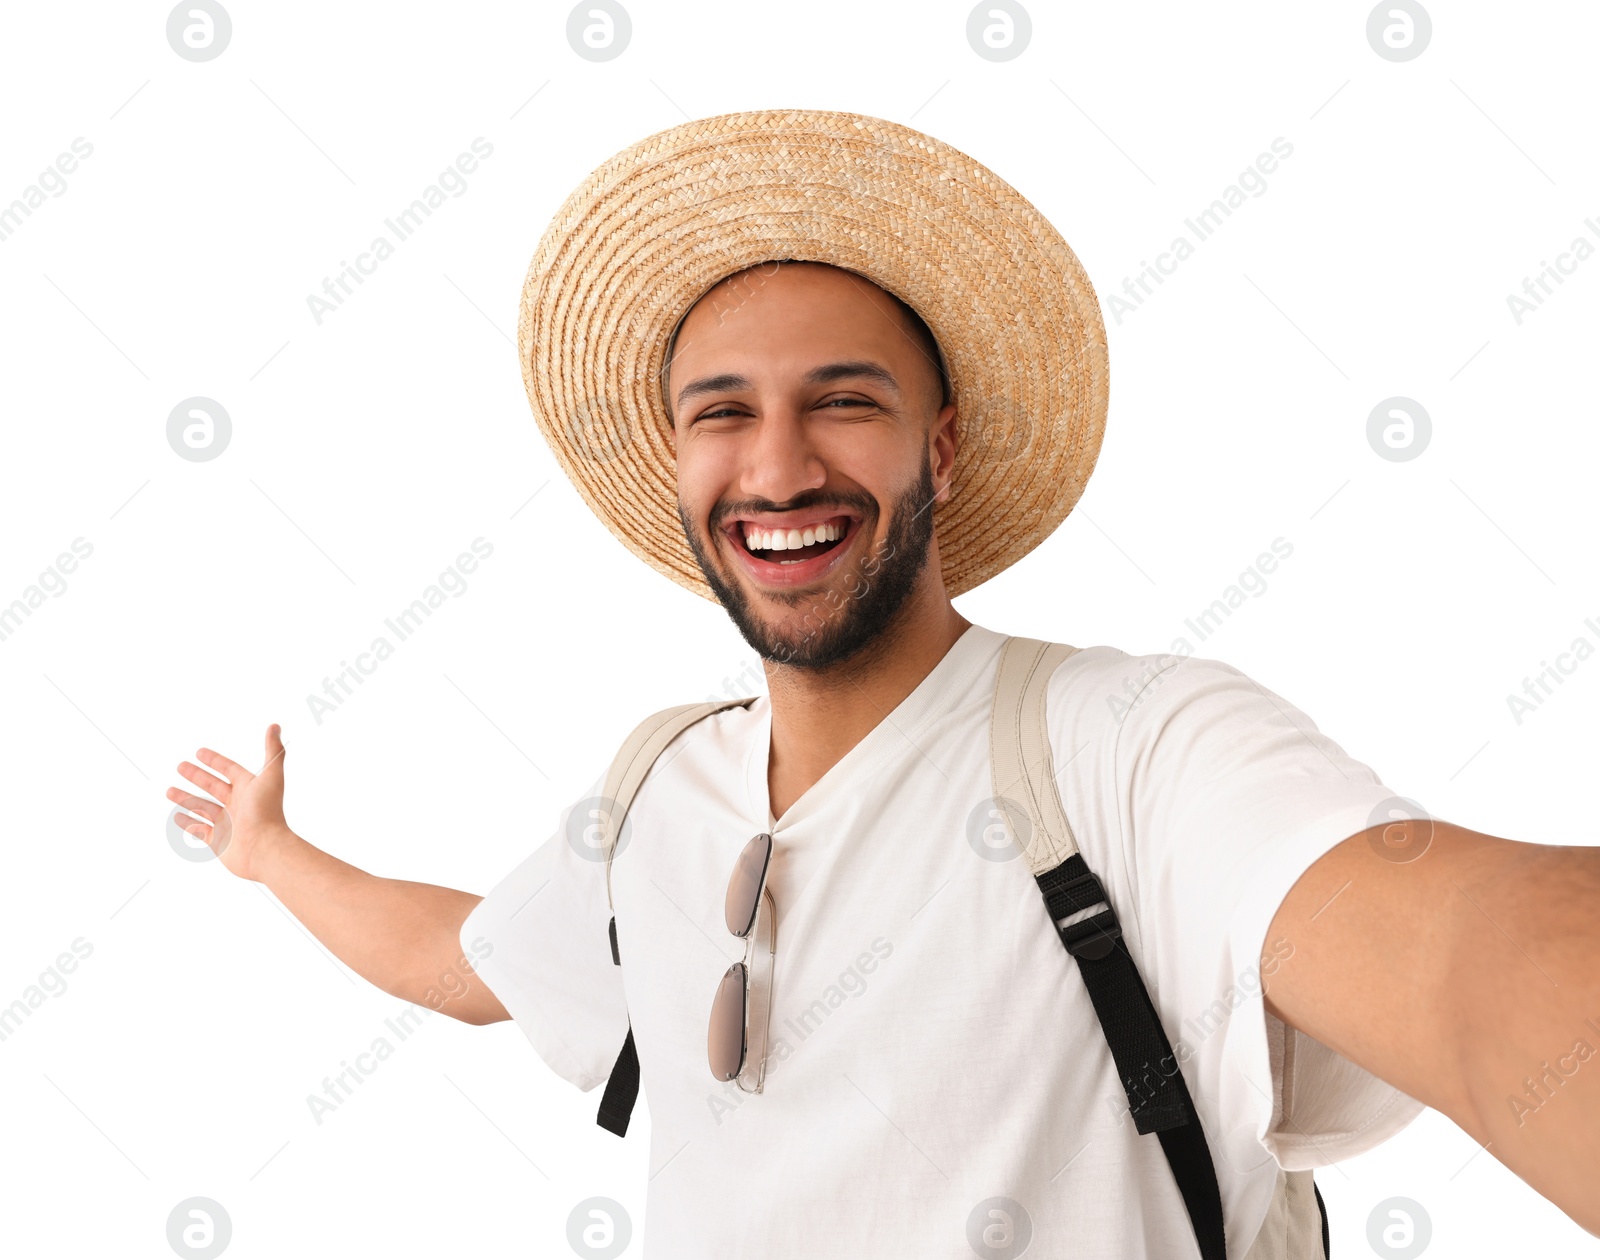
x=1092 y=938
x=1096 y=936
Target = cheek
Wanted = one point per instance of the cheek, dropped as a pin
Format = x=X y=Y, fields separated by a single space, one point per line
x=705 y=476
x=885 y=471
x=872 y=456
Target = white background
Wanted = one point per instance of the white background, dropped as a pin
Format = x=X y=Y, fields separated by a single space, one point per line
x=369 y=451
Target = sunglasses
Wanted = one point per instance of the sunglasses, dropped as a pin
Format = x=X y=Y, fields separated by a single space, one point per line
x=733 y=1013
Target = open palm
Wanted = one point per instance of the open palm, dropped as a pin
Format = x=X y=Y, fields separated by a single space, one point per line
x=246 y=815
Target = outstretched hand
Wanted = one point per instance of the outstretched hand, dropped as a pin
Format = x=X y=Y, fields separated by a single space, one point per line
x=246 y=818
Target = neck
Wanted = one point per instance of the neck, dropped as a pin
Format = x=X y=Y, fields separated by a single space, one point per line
x=818 y=715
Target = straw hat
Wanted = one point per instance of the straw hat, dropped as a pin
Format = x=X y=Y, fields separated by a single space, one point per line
x=656 y=226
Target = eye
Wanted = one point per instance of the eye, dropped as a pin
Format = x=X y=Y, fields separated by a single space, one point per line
x=850 y=402
x=718 y=413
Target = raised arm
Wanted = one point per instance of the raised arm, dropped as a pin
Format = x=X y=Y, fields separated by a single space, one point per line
x=401 y=936
x=1463 y=969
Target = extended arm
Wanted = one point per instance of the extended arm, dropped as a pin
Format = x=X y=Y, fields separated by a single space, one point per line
x=1467 y=976
x=399 y=935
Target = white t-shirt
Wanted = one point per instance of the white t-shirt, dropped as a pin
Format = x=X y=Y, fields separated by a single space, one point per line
x=932 y=1044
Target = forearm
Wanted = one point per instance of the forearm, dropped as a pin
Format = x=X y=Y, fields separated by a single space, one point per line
x=1528 y=986
x=1456 y=973
x=401 y=936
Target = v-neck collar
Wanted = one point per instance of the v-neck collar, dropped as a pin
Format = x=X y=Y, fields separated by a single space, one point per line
x=976 y=647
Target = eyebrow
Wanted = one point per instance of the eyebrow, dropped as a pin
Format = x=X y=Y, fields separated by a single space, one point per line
x=849 y=369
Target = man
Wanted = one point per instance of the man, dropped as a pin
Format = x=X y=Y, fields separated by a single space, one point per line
x=931 y=1077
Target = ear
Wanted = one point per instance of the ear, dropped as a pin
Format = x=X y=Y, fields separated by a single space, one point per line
x=942 y=451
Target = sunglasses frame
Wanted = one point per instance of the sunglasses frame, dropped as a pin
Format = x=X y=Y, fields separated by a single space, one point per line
x=764 y=921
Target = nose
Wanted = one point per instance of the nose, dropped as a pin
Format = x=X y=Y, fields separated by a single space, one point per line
x=781 y=459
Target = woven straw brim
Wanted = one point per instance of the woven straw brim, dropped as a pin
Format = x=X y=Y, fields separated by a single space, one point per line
x=661 y=223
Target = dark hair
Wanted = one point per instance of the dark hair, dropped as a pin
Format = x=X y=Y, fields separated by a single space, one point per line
x=920 y=333
x=929 y=345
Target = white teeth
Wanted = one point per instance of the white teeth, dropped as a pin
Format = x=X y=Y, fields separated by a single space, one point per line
x=758 y=539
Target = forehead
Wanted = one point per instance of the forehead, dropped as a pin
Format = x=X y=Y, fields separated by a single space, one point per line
x=798 y=295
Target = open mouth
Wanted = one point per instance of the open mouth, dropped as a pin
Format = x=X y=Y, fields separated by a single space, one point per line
x=784 y=552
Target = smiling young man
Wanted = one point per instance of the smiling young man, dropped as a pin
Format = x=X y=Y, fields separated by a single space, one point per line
x=878 y=942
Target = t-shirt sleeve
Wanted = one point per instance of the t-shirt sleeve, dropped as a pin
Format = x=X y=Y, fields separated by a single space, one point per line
x=543 y=944
x=1227 y=793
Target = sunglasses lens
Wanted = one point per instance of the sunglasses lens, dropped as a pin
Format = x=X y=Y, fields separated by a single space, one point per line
x=744 y=887
x=725 y=1043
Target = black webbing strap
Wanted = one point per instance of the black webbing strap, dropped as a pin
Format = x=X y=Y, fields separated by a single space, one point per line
x=622 y=1086
x=1322 y=1210
x=622 y=1089
x=1158 y=1098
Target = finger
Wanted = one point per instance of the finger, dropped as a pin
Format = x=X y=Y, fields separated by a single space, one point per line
x=275 y=749
x=208 y=810
x=218 y=788
x=199 y=830
x=223 y=765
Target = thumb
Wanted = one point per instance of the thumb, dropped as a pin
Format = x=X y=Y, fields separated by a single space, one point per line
x=275 y=751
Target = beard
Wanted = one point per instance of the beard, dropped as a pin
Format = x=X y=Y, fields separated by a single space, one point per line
x=836 y=623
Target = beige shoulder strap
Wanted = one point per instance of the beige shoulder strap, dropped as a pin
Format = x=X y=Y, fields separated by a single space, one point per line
x=633 y=761
x=1020 y=765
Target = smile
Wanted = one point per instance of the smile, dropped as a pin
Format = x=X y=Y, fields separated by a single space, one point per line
x=790 y=552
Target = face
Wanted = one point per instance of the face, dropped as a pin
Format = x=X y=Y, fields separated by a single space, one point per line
x=811 y=446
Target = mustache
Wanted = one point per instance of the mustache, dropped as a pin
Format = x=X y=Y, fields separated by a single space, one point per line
x=860 y=501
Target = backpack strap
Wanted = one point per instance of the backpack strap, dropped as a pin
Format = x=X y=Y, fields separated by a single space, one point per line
x=628 y=770
x=1024 y=783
